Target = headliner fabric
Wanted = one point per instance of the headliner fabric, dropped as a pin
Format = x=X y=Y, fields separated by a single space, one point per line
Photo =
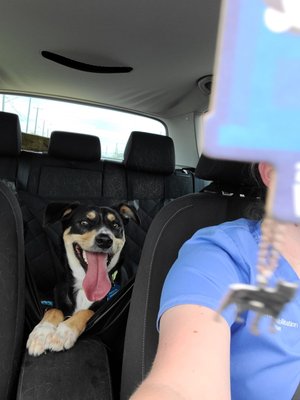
x=113 y=33
x=10 y=134
x=150 y=152
x=74 y=146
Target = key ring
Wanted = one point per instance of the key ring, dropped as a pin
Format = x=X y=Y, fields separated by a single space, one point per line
x=264 y=300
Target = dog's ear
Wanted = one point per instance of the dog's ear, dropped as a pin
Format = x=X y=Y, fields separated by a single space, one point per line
x=59 y=212
x=128 y=212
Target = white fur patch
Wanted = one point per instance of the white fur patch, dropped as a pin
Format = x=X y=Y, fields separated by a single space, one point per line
x=82 y=302
x=64 y=338
x=38 y=339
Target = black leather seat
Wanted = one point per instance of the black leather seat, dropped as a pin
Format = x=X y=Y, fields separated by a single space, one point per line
x=12 y=292
x=228 y=197
x=11 y=139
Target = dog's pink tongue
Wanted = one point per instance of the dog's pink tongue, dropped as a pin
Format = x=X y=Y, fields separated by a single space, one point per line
x=96 y=283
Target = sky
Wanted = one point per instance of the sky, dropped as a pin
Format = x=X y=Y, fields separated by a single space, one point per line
x=42 y=116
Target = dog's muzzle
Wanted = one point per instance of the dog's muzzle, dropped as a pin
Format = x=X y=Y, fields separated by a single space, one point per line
x=103 y=241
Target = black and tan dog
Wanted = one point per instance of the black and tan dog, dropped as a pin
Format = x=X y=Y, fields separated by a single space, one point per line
x=93 y=240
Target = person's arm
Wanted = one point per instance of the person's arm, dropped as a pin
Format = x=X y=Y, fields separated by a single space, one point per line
x=193 y=357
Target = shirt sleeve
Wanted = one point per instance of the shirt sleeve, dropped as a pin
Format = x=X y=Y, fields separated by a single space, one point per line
x=206 y=265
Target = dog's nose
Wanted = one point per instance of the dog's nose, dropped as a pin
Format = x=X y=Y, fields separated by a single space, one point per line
x=103 y=241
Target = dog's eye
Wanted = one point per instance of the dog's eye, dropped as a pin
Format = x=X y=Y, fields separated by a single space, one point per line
x=116 y=225
x=84 y=223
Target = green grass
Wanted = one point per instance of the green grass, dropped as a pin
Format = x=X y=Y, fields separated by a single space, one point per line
x=34 y=142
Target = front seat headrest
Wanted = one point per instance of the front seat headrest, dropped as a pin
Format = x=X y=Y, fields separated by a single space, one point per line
x=227 y=171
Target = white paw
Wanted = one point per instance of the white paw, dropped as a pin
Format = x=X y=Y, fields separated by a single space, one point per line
x=64 y=338
x=39 y=337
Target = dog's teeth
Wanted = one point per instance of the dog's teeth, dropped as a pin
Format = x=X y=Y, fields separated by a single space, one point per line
x=84 y=256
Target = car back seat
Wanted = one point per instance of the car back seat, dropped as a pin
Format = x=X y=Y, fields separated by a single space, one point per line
x=71 y=171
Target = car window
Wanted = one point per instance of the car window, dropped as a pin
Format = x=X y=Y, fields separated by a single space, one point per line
x=39 y=117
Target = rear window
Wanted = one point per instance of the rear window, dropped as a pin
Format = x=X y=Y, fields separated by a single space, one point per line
x=39 y=117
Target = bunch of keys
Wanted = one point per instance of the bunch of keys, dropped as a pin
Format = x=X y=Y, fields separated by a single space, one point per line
x=261 y=298
x=254 y=116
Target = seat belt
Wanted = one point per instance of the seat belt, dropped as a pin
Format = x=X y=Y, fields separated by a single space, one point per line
x=33 y=310
x=23 y=173
x=32 y=207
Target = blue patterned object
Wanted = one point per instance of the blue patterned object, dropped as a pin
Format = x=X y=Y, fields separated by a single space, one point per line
x=255 y=108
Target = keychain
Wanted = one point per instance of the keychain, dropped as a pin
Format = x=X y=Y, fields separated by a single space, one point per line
x=254 y=116
x=261 y=298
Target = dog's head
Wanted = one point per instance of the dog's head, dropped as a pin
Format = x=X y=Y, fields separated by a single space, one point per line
x=94 y=238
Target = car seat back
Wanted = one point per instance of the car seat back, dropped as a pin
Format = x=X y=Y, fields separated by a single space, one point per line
x=172 y=226
x=12 y=291
x=11 y=139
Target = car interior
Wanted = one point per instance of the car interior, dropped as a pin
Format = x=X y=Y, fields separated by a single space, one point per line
x=140 y=57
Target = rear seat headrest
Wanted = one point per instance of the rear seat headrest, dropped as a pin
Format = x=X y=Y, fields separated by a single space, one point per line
x=10 y=134
x=150 y=152
x=74 y=146
x=226 y=172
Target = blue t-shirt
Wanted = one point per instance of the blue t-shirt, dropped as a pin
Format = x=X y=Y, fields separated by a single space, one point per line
x=263 y=367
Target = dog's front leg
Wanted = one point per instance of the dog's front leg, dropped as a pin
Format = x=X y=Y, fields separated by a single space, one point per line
x=69 y=330
x=42 y=334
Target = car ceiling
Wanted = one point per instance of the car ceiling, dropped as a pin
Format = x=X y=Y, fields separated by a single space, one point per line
x=169 y=43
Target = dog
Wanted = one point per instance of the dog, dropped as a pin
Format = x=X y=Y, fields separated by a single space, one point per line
x=93 y=239
x=263 y=300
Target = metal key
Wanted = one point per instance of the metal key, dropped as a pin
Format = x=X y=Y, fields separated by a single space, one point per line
x=261 y=298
